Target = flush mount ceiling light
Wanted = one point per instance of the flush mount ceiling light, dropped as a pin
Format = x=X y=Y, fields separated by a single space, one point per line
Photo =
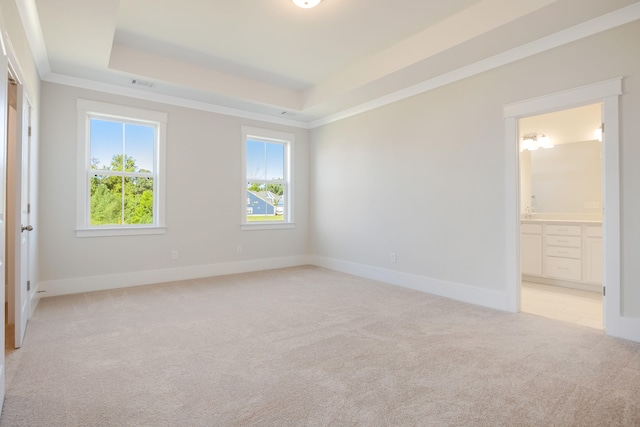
x=533 y=141
x=306 y=4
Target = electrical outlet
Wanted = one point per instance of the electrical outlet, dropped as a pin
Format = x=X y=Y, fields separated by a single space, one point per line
x=174 y=254
x=392 y=257
x=239 y=249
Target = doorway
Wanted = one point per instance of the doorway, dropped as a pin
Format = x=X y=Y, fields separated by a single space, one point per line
x=607 y=93
x=9 y=309
x=560 y=169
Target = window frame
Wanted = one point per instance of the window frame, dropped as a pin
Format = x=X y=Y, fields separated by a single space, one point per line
x=269 y=136
x=88 y=110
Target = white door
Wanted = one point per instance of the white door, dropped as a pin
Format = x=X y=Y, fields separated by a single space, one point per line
x=4 y=72
x=22 y=213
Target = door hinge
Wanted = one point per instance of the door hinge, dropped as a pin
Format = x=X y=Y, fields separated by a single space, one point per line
x=28 y=285
x=28 y=208
x=29 y=130
x=602 y=128
x=604 y=291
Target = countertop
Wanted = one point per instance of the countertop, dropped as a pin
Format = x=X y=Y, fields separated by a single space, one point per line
x=559 y=221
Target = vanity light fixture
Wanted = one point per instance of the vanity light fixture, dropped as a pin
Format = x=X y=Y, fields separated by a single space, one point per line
x=598 y=134
x=533 y=141
x=306 y=4
x=543 y=141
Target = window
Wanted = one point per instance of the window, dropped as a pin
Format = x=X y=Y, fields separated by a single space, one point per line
x=120 y=170
x=266 y=184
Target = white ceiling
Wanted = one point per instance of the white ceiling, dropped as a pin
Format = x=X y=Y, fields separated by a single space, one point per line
x=275 y=60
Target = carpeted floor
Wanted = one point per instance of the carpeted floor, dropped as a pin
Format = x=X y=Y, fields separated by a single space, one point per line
x=309 y=346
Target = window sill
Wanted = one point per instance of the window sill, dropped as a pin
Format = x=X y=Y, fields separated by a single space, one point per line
x=267 y=226
x=119 y=231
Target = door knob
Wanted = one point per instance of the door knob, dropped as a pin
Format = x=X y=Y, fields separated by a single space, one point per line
x=27 y=228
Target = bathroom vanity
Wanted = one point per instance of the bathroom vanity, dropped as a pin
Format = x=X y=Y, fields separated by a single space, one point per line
x=562 y=252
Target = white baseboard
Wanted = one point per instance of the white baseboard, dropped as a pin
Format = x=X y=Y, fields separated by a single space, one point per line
x=465 y=293
x=75 y=285
x=624 y=327
x=456 y=291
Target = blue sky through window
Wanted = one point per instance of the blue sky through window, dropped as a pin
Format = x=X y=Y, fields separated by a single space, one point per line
x=265 y=160
x=107 y=139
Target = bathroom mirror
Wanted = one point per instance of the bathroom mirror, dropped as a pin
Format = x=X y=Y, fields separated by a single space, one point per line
x=566 y=178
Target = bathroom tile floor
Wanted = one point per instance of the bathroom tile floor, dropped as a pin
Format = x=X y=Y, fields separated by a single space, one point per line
x=570 y=305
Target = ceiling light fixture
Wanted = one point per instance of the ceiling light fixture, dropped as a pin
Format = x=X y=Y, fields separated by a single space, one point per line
x=533 y=141
x=306 y=4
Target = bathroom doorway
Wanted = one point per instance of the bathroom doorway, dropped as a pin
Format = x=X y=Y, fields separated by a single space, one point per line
x=561 y=205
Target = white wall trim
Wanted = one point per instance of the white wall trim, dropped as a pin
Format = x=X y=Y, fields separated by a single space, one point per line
x=607 y=93
x=75 y=285
x=31 y=23
x=464 y=293
x=624 y=327
x=577 y=96
x=594 y=26
x=512 y=216
x=597 y=25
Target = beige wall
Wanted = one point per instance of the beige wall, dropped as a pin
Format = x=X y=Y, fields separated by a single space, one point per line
x=425 y=177
x=203 y=195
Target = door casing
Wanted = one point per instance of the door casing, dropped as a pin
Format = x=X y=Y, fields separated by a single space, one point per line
x=607 y=93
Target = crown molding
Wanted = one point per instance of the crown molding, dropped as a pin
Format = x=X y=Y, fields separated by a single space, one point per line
x=597 y=25
x=31 y=22
x=594 y=26
x=168 y=99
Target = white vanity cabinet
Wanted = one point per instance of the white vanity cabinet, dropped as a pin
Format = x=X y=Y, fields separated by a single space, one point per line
x=531 y=249
x=565 y=253
x=593 y=254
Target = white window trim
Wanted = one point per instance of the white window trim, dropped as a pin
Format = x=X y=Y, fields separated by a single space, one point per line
x=86 y=108
x=268 y=135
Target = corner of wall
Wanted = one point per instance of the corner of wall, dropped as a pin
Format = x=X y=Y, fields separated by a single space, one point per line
x=456 y=291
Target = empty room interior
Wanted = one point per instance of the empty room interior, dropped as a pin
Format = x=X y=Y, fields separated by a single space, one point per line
x=320 y=212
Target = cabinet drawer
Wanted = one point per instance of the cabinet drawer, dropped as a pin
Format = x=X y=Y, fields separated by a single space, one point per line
x=559 y=251
x=563 y=268
x=530 y=228
x=568 y=241
x=564 y=230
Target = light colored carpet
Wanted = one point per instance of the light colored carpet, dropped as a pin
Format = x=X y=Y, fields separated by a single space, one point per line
x=309 y=346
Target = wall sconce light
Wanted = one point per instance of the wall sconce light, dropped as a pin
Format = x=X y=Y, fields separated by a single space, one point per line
x=598 y=134
x=533 y=141
x=306 y=4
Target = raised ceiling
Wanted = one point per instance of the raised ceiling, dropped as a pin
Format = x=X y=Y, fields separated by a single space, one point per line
x=303 y=66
